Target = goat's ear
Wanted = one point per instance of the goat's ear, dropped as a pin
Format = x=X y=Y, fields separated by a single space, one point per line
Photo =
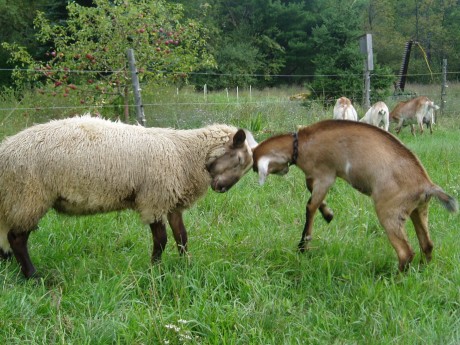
x=262 y=167
x=239 y=138
x=250 y=139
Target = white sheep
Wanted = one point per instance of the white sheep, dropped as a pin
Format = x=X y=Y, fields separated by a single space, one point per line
x=86 y=165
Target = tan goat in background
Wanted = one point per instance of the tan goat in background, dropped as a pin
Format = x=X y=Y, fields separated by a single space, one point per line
x=419 y=110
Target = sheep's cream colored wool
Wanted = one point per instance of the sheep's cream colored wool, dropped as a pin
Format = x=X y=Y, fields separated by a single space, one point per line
x=86 y=165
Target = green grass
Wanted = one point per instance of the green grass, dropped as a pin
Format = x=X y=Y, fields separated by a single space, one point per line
x=244 y=281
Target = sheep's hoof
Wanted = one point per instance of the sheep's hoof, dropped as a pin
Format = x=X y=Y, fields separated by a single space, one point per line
x=32 y=274
x=156 y=260
x=5 y=255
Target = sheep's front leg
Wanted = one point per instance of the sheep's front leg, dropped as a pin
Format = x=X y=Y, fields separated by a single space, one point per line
x=18 y=243
x=179 y=231
x=159 y=239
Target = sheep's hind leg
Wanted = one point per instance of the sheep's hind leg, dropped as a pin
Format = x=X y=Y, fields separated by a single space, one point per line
x=5 y=248
x=159 y=239
x=5 y=255
x=180 y=233
x=18 y=243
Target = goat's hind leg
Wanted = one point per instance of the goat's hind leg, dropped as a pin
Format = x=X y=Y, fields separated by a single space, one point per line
x=393 y=221
x=420 y=219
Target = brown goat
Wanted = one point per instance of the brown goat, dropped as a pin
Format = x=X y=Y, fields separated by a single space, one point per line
x=417 y=110
x=372 y=161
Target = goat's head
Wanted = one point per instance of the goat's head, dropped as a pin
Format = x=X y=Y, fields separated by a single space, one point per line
x=228 y=168
x=273 y=156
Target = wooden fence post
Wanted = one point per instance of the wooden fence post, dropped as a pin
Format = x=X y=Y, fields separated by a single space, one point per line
x=443 y=86
x=365 y=44
x=136 y=87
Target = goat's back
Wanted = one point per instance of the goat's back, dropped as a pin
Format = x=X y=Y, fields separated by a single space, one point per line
x=364 y=155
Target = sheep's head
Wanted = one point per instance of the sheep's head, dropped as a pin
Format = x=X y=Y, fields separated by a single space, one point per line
x=233 y=163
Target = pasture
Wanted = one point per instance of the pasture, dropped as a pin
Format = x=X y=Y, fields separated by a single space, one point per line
x=244 y=281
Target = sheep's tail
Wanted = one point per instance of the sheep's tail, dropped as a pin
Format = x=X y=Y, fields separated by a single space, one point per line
x=449 y=202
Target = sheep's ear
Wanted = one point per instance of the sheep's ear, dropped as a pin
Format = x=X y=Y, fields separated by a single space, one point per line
x=262 y=167
x=250 y=139
x=239 y=138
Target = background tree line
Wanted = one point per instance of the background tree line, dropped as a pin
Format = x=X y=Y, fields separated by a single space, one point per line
x=272 y=42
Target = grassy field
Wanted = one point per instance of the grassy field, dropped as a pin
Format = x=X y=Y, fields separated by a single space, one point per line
x=244 y=282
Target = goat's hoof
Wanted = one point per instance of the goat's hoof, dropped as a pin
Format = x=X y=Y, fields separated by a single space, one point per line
x=328 y=218
x=303 y=247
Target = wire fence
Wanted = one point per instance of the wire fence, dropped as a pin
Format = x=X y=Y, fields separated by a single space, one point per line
x=181 y=106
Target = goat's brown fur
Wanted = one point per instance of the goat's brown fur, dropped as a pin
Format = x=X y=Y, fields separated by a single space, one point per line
x=372 y=161
x=417 y=110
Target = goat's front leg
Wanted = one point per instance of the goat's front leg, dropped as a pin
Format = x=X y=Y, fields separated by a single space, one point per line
x=399 y=125
x=159 y=239
x=18 y=243
x=421 y=126
x=319 y=191
x=180 y=233
x=326 y=212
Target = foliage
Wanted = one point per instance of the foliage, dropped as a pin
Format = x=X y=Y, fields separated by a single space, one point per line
x=339 y=62
x=255 y=42
x=245 y=50
x=86 y=59
x=434 y=24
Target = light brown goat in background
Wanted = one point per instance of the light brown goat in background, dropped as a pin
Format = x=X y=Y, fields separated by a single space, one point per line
x=419 y=110
x=372 y=161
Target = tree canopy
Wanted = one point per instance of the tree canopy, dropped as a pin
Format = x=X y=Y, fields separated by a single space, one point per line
x=232 y=42
x=86 y=55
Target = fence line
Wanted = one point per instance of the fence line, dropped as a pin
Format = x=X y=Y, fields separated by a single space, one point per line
x=149 y=105
x=221 y=74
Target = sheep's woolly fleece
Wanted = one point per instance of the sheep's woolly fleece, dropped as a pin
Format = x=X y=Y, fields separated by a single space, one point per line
x=91 y=165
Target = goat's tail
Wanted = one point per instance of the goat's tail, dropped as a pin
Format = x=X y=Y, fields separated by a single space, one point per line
x=449 y=202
